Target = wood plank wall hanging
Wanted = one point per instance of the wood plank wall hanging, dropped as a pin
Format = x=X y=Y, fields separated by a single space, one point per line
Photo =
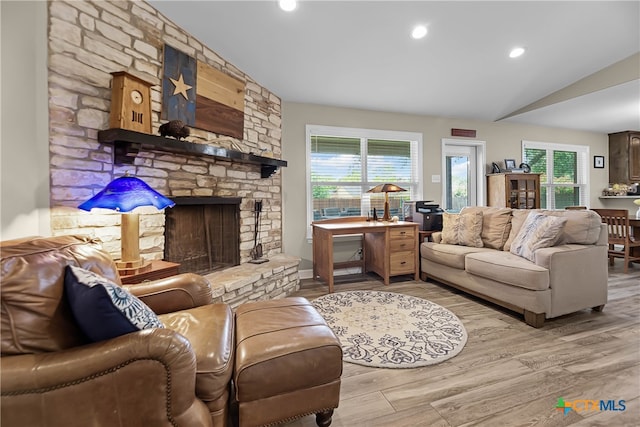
x=201 y=96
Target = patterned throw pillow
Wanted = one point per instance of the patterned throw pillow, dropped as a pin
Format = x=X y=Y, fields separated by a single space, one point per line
x=103 y=309
x=462 y=229
x=518 y=217
x=538 y=231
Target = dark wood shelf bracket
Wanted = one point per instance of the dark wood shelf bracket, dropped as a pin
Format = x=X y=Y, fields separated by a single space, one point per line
x=127 y=144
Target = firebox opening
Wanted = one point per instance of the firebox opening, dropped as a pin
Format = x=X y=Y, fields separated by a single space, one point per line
x=203 y=233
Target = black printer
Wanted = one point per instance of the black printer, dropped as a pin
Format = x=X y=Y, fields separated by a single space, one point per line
x=425 y=213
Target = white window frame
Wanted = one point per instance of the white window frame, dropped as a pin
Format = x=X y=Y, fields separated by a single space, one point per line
x=363 y=134
x=582 y=173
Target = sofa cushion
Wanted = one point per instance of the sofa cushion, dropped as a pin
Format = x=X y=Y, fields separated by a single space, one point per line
x=210 y=330
x=496 y=225
x=582 y=227
x=505 y=267
x=449 y=255
x=35 y=313
x=283 y=338
x=538 y=231
x=462 y=229
x=103 y=309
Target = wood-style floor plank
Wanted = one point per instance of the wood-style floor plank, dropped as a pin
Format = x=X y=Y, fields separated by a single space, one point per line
x=437 y=388
x=504 y=395
x=508 y=374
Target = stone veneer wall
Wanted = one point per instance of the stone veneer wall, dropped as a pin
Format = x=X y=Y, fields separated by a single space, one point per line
x=87 y=41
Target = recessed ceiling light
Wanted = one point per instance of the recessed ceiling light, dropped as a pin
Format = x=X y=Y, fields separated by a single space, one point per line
x=419 y=31
x=516 y=52
x=287 y=5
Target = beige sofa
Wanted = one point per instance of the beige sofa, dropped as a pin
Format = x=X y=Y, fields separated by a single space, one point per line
x=568 y=276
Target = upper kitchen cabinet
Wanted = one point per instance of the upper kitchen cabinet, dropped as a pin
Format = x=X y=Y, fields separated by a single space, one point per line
x=624 y=157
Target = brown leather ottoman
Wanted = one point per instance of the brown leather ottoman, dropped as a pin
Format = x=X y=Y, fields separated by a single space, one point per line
x=288 y=363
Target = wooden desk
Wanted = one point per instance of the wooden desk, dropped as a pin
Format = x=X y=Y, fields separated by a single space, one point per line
x=388 y=249
x=159 y=270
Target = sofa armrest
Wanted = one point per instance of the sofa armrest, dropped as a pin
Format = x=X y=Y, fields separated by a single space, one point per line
x=147 y=375
x=570 y=254
x=179 y=292
x=578 y=276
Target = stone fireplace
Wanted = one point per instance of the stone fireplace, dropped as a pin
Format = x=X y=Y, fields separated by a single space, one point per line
x=218 y=177
x=89 y=40
x=202 y=233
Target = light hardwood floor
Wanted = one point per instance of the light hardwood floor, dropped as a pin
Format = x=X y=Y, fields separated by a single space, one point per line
x=508 y=374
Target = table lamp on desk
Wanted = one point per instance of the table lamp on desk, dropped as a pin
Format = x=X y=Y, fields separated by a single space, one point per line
x=386 y=189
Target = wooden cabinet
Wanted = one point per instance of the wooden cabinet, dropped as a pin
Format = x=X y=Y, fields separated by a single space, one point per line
x=514 y=190
x=402 y=243
x=624 y=157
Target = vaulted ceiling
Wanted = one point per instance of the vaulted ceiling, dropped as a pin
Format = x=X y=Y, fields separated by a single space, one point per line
x=580 y=70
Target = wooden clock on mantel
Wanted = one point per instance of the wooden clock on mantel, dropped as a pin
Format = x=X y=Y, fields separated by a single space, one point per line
x=130 y=103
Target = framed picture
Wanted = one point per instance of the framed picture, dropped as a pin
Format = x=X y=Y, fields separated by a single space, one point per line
x=509 y=164
x=598 y=162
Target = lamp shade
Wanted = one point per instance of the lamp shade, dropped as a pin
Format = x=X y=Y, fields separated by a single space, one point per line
x=126 y=193
x=386 y=188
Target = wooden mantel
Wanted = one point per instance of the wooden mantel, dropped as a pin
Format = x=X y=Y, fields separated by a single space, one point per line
x=127 y=144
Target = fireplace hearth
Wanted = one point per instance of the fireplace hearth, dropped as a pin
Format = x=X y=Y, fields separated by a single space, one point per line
x=203 y=233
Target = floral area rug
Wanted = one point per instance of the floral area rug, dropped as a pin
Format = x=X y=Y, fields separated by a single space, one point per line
x=389 y=330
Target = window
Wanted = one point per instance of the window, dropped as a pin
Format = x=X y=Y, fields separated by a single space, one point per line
x=564 y=169
x=344 y=163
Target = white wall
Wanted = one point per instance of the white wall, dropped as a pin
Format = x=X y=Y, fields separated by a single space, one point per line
x=24 y=136
x=503 y=141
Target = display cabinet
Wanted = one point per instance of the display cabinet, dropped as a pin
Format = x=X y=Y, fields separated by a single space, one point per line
x=514 y=190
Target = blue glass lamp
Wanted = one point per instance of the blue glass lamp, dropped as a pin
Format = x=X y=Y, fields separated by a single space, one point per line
x=125 y=194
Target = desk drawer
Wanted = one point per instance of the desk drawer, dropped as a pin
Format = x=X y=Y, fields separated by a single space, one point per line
x=398 y=245
x=403 y=262
x=402 y=233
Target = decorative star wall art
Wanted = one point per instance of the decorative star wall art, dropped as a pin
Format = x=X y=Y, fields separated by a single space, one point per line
x=201 y=96
x=181 y=86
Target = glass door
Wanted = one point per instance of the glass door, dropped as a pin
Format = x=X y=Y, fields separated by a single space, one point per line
x=461 y=184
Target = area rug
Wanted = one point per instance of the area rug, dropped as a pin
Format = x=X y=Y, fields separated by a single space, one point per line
x=390 y=330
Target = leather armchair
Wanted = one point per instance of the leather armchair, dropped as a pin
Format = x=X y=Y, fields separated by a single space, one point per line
x=51 y=375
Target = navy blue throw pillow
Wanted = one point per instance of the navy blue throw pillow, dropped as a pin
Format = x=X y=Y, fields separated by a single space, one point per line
x=104 y=310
